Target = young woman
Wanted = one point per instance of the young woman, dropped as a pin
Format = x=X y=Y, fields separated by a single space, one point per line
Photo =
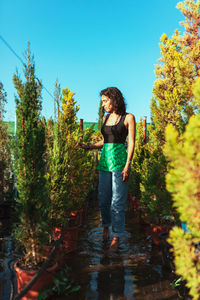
x=114 y=163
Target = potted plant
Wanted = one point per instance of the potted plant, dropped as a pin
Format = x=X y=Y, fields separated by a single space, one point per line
x=68 y=166
x=32 y=199
x=148 y=199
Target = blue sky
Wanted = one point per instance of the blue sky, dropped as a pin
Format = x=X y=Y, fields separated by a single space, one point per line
x=87 y=45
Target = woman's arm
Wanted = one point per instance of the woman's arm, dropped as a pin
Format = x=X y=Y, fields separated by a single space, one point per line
x=131 y=125
x=97 y=145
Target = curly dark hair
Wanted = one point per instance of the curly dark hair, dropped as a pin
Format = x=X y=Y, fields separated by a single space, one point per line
x=117 y=98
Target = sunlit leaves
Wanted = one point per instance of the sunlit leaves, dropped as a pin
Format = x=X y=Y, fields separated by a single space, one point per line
x=68 y=177
x=183 y=182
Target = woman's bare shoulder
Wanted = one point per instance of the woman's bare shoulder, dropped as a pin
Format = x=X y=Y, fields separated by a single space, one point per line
x=130 y=117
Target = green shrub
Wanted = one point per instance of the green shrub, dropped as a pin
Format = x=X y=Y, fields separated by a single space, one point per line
x=29 y=166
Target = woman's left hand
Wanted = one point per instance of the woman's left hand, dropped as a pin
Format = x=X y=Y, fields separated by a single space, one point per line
x=125 y=173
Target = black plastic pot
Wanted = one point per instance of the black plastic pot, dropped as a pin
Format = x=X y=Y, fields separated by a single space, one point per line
x=167 y=255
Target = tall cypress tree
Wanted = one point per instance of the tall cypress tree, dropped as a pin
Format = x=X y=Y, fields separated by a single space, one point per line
x=59 y=156
x=70 y=171
x=172 y=89
x=173 y=103
x=29 y=164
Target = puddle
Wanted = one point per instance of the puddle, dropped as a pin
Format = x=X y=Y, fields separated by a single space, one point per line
x=134 y=272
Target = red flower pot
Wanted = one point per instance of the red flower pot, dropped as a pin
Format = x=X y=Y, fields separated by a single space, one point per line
x=70 y=237
x=24 y=276
x=76 y=218
x=156 y=230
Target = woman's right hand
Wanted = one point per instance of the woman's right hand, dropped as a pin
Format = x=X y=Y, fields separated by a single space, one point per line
x=81 y=145
x=97 y=145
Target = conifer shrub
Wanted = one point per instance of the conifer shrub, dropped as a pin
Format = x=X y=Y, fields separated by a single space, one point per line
x=139 y=155
x=70 y=169
x=172 y=103
x=145 y=185
x=183 y=182
x=29 y=167
x=155 y=200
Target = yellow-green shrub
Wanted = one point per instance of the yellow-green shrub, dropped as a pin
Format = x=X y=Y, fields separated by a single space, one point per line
x=70 y=168
x=183 y=182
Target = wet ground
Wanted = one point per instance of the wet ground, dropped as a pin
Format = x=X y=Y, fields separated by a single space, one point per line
x=135 y=271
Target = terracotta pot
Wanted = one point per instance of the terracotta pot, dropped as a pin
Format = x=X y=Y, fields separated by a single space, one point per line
x=156 y=230
x=70 y=238
x=24 y=276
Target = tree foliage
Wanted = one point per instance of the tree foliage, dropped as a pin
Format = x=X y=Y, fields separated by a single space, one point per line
x=173 y=103
x=190 y=41
x=172 y=89
x=29 y=165
x=139 y=155
x=70 y=171
x=183 y=182
x=3 y=101
x=5 y=155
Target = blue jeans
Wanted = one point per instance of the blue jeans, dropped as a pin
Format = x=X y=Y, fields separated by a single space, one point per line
x=112 y=196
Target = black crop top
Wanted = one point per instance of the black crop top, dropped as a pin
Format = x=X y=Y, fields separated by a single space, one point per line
x=115 y=133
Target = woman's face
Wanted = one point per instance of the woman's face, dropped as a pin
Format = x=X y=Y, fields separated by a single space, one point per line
x=107 y=104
